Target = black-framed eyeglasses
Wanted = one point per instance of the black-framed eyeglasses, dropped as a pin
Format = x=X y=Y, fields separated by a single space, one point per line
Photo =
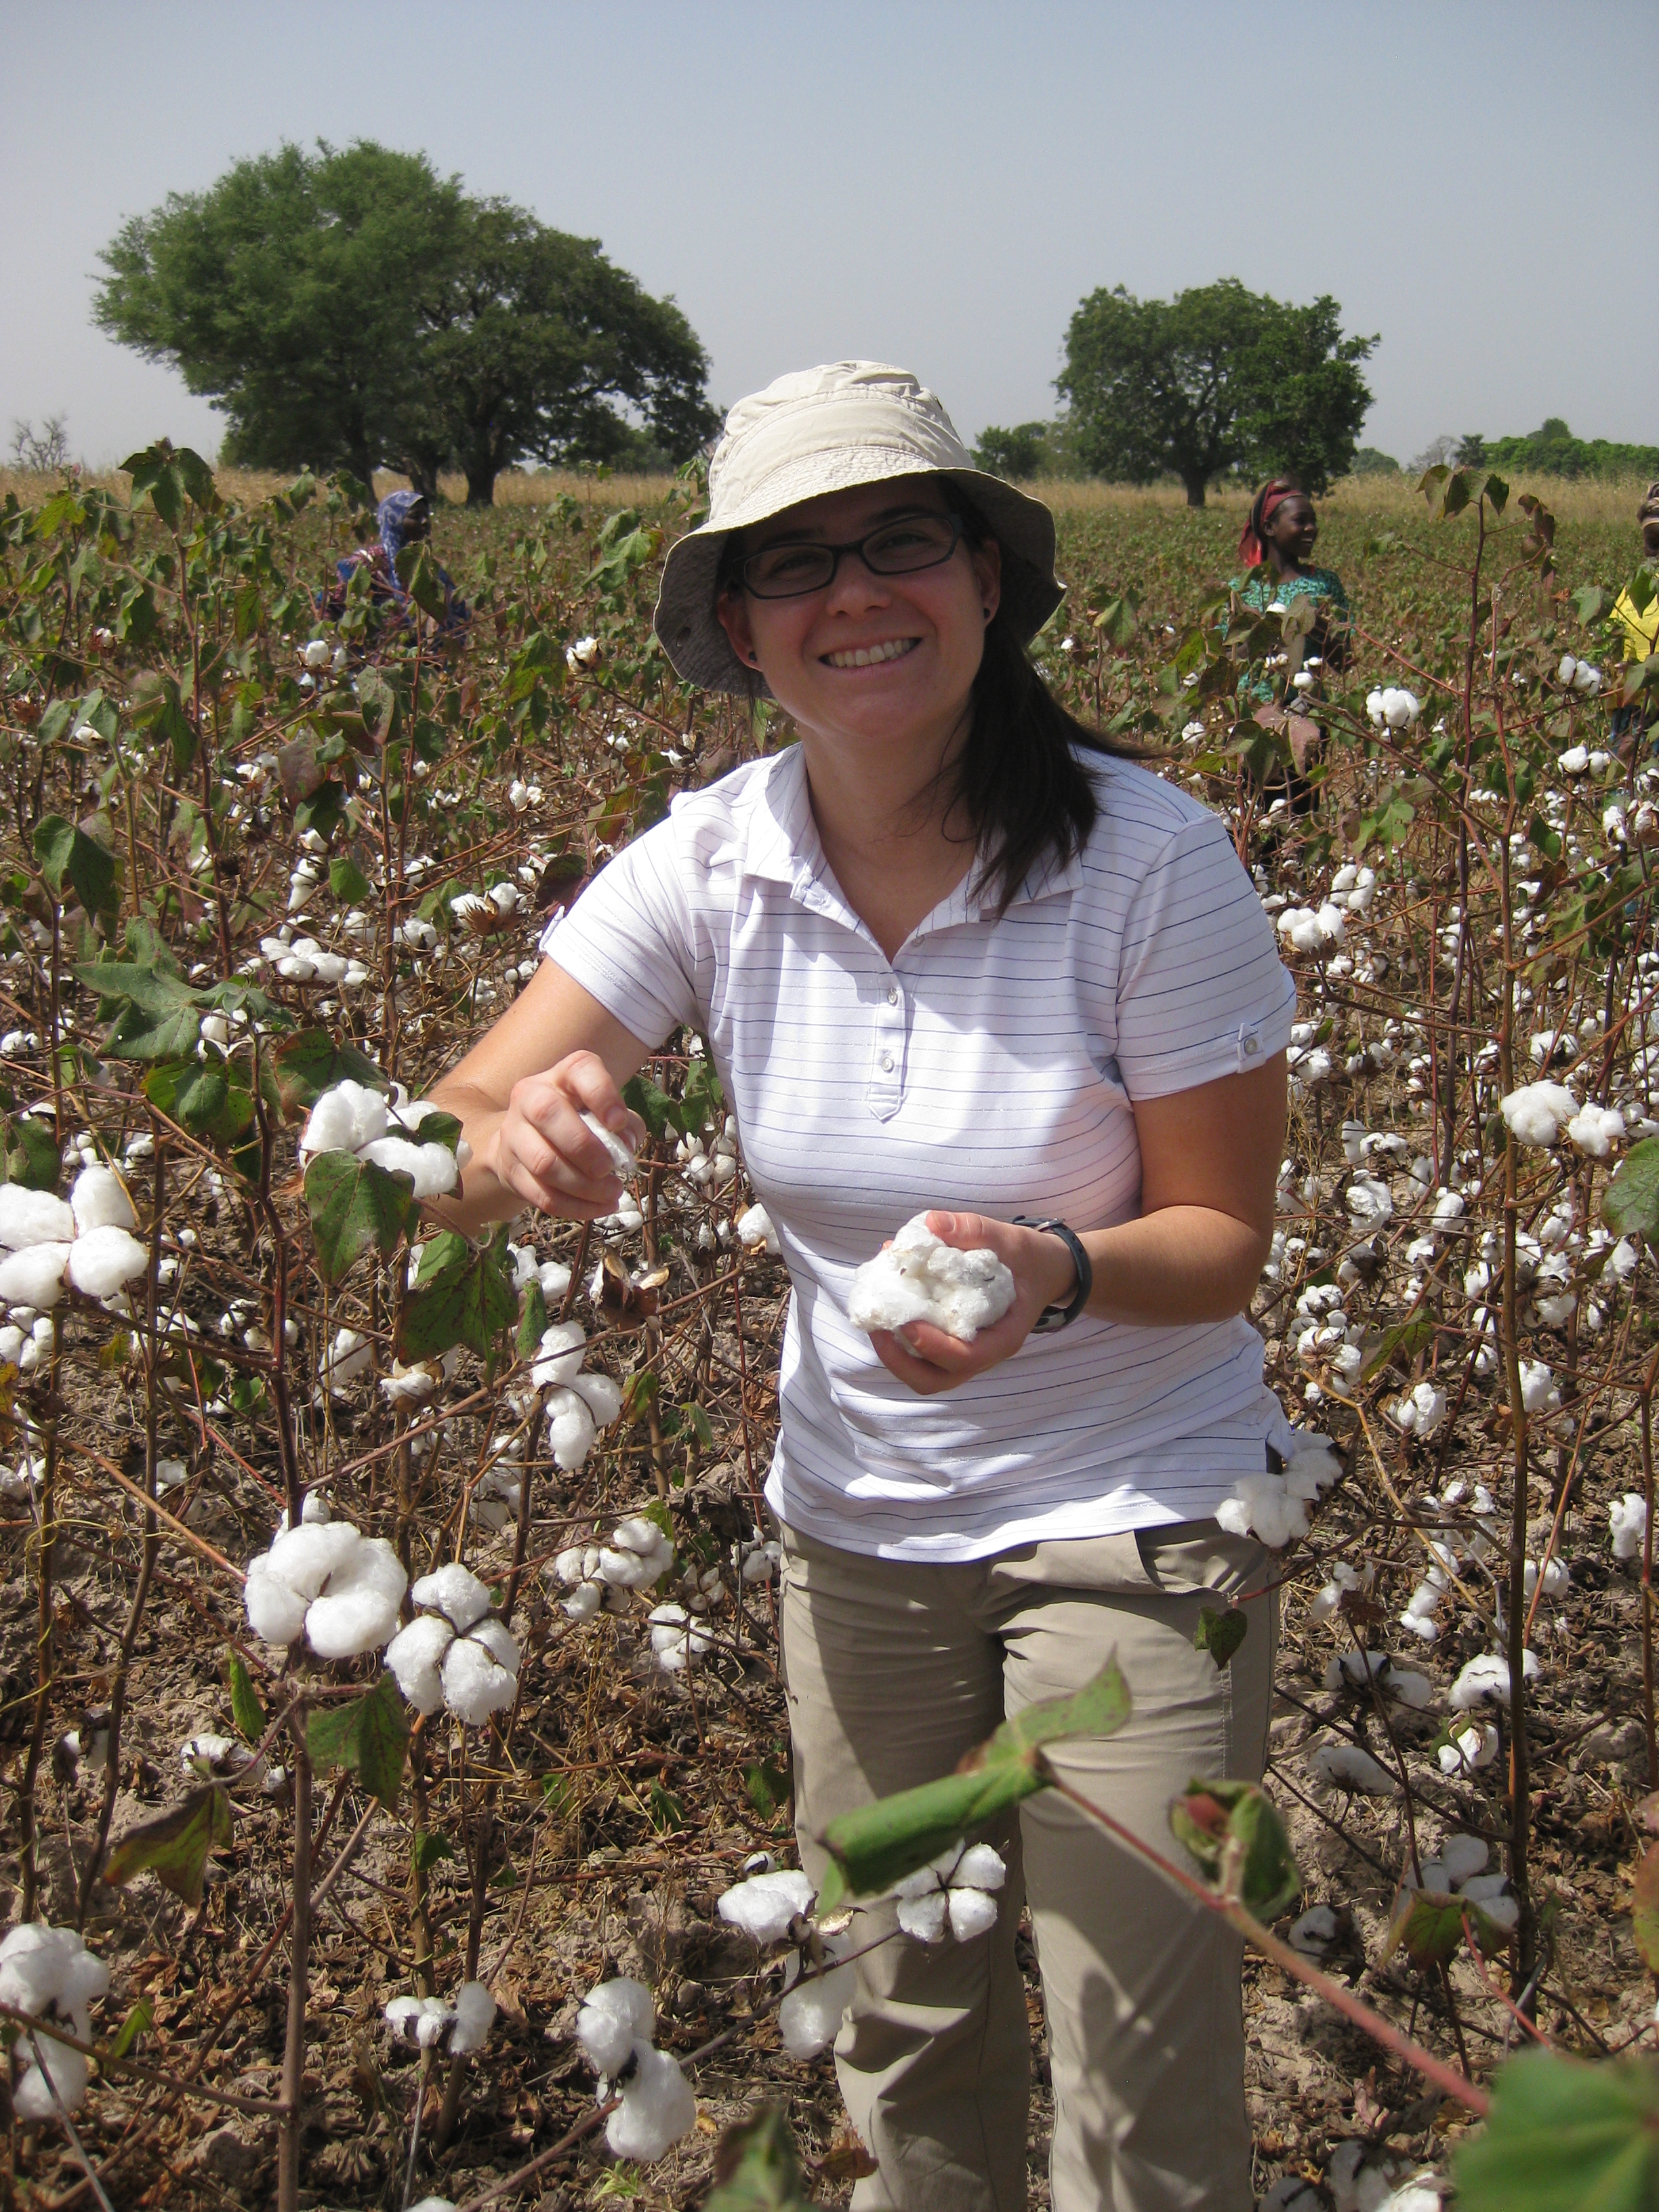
x=897 y=547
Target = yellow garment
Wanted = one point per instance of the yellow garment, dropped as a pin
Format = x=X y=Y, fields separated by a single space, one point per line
x=1641 y=630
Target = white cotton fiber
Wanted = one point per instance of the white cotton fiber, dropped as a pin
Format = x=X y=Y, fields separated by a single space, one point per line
x=764 y=1905
x=811 y=2014
x=658 y=2108
x=621 y=1151
x=414 y=1656
x=570 y=1430
x=972 y=1913
x=358 y=1611
x=454 y=1591
x=923 y=1917
x=475 y=1683
x=602 y=1397
x=50 y=1972
x=432 y=1167
x=980 y=1867
x=1345 y=1766
x=475 y=2010
x=68 y=2069
x=276 y=1611
x=99 y=1200
x=1538 y=1112
x=419 y=2021
x=306 y=1556
x=1627 y=1523
x=559 y=1355
x=613 y=2018
x=920 y=1278
x=102 y=1260
x=33 y=1216
x=33 y=1276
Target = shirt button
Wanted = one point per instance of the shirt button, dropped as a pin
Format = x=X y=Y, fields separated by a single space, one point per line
x=1252 y=1045
x=892 y=994
x=887 y=1063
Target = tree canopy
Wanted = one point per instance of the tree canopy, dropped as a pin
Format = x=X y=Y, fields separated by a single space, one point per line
x=1218 y=378
x=352 y=307
x=1551 y=450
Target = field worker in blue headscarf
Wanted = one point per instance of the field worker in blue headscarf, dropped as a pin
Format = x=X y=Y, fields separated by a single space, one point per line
x=404 y=519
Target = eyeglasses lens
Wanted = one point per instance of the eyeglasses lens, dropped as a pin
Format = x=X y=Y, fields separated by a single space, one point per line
x=897 y=548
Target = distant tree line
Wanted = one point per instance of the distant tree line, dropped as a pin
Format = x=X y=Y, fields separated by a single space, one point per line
x=355 y=309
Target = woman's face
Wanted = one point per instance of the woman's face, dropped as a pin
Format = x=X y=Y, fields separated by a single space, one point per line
x=1294 y=528
x=1650 y=538
x=868 y=656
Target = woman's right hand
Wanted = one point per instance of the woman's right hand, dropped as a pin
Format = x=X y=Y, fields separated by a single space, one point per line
x=541 y=1150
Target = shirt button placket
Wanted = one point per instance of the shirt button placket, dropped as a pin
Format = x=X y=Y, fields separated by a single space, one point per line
x=887 y=1077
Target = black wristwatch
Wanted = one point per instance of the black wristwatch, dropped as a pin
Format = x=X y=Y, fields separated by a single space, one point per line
x=1054 y=1318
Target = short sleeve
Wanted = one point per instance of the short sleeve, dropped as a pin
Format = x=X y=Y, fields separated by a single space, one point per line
x=627 y=940
x=1201 y=990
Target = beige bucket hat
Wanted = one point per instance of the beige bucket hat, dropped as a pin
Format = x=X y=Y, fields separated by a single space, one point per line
x=828 y=429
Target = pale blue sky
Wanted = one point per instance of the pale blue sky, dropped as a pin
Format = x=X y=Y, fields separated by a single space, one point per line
x=929 y=183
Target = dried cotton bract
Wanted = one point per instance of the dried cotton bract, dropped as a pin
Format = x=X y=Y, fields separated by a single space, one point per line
x=921 y=1277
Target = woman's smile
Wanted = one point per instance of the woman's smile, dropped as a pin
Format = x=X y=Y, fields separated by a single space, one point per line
x=869 y=656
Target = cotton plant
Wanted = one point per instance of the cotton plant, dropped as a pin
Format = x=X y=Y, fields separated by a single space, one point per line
x=50 y=1974
x=709 y=1167
x=352 y=1117
x=677 y=1636
x=637 y=1556
x=340 y=1591
x=456 y=1652
x=920 y=1278
x=84 y=1242
x=614 y=2025
x=461 y=2027
x=770 y=1906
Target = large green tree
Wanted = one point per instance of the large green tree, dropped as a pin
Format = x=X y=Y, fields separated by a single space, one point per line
x=1217 y=378
x=354 y=306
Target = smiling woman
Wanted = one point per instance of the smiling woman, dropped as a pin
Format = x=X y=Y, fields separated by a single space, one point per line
x=950 y=951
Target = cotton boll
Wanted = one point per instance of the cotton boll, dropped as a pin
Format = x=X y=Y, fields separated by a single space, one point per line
x=33 y=1216
x=432 y=1167
x=419 y=2021
x=554 y=1276
x=276 y=1612
x=475 y=2012
x=754 y=1229
x=66 y=2070
x=923 y=1917
x=1536 y=1113
x=414 y=1657
x=480 y=1672
x=675 y=1637
x=981 y=1867
x=1595 y=1130
x=358 y=1611
x=1568 y=669
x=613 y=2018
x=1489 y=1893
x=102 y=1260
x=1345 y=1766
x=454 y=1591
x=1574 y=761
x=1627 y=1519
x=344 y=1119
x=99 y=1200
x=972 y=1913
x=33 y=1276
x=1315 y=1931
x=921 y=1277
x=348 y=1356
x=602 y=1396
x=1538 y=1392
x=1487 y=1677
x=810 y=2015
x=560 y=1354
x=1463 y=1856
x=764 y=1907
x=570 y=1430
x=658 y=2107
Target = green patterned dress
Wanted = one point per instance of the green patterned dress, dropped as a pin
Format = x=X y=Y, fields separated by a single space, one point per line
x=1261 y=589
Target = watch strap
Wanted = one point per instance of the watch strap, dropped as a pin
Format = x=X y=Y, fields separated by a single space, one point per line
x=1061 y=1317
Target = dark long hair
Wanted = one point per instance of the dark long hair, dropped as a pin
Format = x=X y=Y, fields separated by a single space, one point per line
x=1022 y=794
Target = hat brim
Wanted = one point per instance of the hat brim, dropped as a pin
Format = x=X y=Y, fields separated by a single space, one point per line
x=690 y=631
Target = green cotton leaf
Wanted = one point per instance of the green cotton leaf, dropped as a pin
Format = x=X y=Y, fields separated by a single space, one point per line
x=199 y=1097
x=380 y=706
x=155 y=989
x=532 y=1320
x=1428 y=1926
x=417 y=572
x=1630 y=1204
x=156 y=477
x=139 y=1034
x=430 y=1849
x=69 y=857
x=369 y=1736
x=28 y=1153
x=139 y=2021
x=158 y=706
x=1116 y=620
x=1592 y=604
x=1220 y=1634
x=1400 y=1343
x=704 y=1101
x=347 y=880
x=471 y=1304
x=878 y=1844
x=1233 y=1829
x=304 y=1066
x=245 y=1708
x=354 y=1205
x=652 y=1104
x=1564 y=2135
x=756 y=2168
x=174 y=1845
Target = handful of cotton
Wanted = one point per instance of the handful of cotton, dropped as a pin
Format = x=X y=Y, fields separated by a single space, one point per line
x=921 y=1277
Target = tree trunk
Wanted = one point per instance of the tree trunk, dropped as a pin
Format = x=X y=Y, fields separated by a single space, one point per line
x=423 y=478
x=1194 y=490
x=481 y=483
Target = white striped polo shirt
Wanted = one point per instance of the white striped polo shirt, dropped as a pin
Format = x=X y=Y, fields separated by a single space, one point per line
x=989 y=1067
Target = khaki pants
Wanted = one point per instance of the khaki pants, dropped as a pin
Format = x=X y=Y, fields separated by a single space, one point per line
x=893 y=1672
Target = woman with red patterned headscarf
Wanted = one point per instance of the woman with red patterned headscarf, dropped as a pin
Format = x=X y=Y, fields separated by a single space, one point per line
x=1276 y=549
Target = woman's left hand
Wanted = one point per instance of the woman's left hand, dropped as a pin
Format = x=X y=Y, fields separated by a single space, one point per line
x=929 y=1360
